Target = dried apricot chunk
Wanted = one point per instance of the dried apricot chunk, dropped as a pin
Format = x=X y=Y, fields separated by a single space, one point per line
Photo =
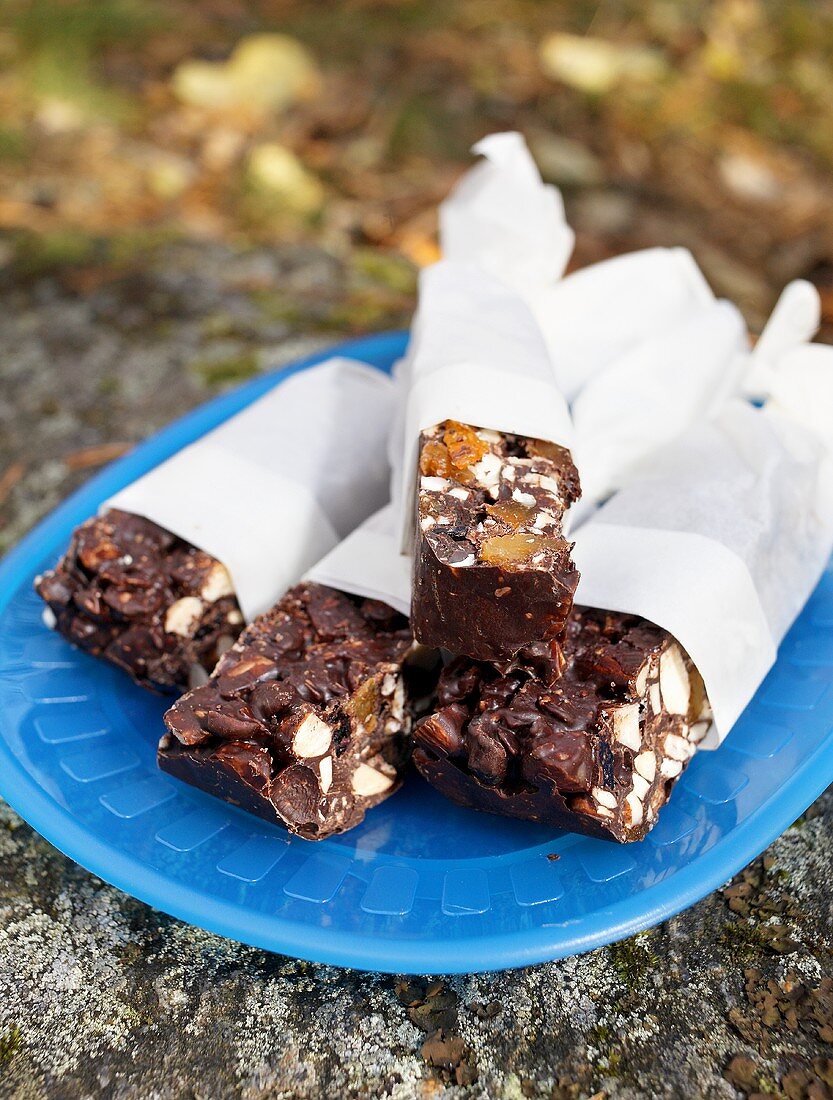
x=517 y=548
x=546 y=449
x=511 y=513
x=465 y=447
x=434 y=460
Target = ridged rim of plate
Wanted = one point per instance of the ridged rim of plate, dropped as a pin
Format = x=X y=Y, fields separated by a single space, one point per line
x=466 y=954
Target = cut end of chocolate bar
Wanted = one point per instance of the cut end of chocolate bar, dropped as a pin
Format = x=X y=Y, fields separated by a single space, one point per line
x=596 y=750
x=492 y=569
x=154 y=605
x=306 y=721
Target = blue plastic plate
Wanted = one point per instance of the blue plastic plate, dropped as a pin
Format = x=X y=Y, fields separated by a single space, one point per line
x=422 y=885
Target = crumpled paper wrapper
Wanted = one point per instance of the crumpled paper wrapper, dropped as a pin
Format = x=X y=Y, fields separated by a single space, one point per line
x=724 y=538
x=272 y=489
x=638 y=345
x=793 y=322
x=368 y=563
x=502 y=217
x=476 y=356
x=721 y=518
x=651 y=394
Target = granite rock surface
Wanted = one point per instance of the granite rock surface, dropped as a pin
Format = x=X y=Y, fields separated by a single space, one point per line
x=102 y=996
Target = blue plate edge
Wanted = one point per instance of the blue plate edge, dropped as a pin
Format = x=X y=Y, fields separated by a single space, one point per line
x=341 y=949
x=484 y=953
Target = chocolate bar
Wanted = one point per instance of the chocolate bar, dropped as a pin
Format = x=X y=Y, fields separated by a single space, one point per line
x=492 y=569
x=149 y=602
x=594 y=747
x=306 y=720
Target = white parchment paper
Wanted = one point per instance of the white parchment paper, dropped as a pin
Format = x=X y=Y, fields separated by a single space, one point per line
x=476 y=355
x=272 y=489
x=638 y=344
x=506 y=220
x=603 y=311
x=368 y=563
x=502 y=217
x=651 y=394
x=793 y=322
x=722 y=541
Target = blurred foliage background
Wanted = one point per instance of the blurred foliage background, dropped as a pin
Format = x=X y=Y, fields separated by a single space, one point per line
x=126 y=125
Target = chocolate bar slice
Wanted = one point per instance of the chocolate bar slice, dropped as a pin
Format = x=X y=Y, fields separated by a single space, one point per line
x=596 y=749
x=138 y=596
x=306 y=720
x=492 y=569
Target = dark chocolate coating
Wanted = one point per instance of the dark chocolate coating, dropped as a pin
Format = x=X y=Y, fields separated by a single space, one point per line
x=492 y=570
x=154 y=605
x=595 y=750
x=306 y=721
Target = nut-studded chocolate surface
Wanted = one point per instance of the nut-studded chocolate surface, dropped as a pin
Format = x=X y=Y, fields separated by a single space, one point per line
x=306 y=721
x=595 y=750
x=133 y=593
x=492 y=570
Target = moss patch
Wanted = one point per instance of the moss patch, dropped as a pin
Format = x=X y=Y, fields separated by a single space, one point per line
x=38 y=254
x=9 y=1045
x=634 y=961
x=227 y=370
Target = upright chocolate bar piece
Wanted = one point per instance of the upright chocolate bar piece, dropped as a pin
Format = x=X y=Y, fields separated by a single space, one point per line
x=144 y=599
x=492 y=570
x=306 y=721
x=595 y=750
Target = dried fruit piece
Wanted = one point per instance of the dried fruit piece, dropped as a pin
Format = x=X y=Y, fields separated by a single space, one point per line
x=515 y=549
x=512 y=513
x=463 y=444
x=434 y=461
x=495 y=505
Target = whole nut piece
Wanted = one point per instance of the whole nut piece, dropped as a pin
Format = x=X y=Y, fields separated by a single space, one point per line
x=313 y=737
x=674 y=681
x=367 y=782
x=218 y=583
x=295 y=793
x=626 y=726
x=182 y=617
x=646 y=765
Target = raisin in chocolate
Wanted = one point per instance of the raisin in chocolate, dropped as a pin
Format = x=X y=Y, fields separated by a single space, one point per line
x=595 y=748
x=492 y=569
